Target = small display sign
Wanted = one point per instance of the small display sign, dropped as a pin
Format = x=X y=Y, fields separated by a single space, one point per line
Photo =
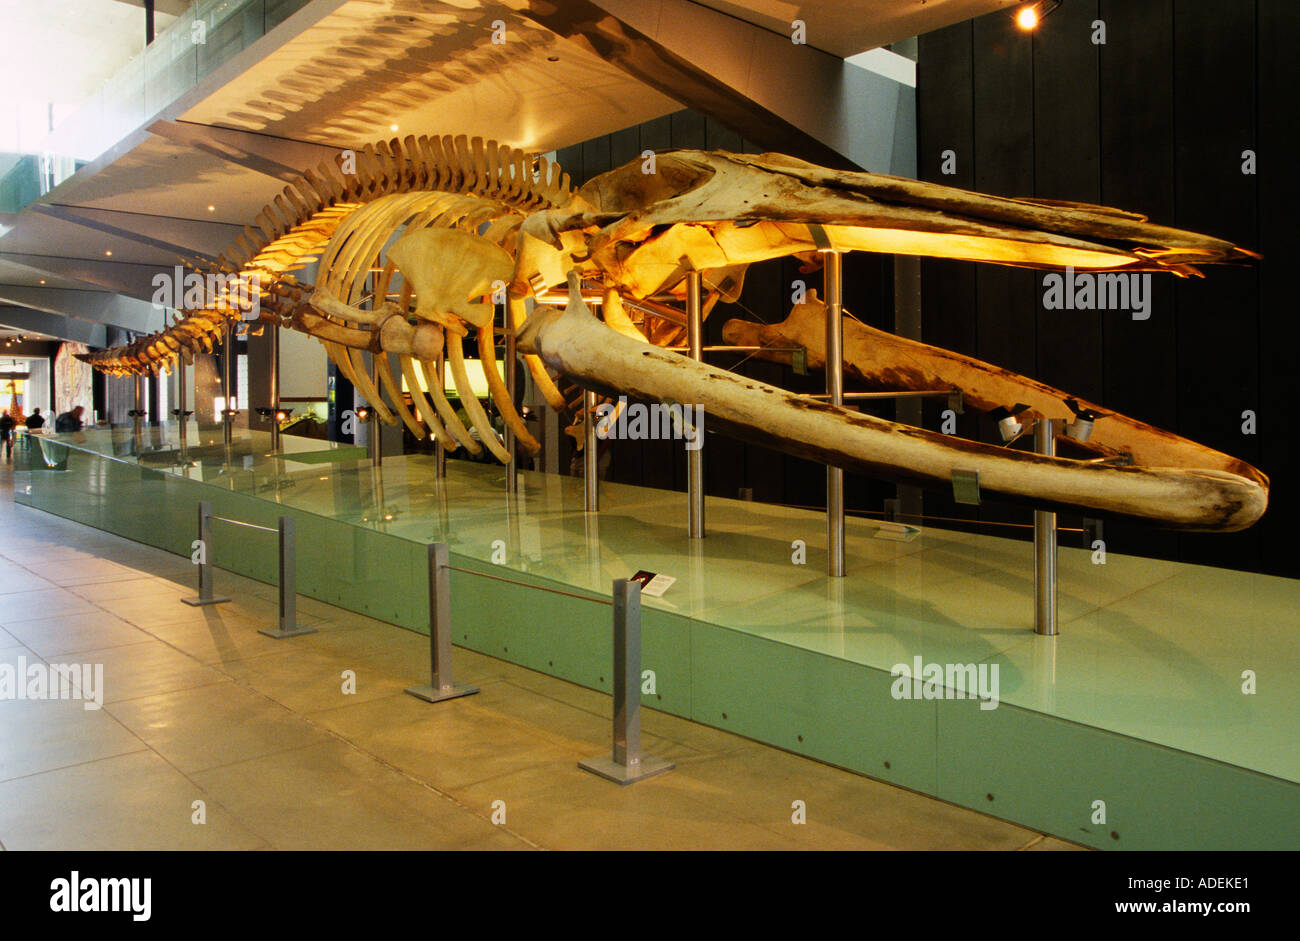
x=653 y=584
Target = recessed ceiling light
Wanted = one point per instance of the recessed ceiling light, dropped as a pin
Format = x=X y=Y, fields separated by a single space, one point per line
x=212 y=209
x=42 y=280
x=108 y=253
x=392 y=127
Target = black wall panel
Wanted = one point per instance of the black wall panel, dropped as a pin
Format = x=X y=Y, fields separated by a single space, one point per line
x=1279 y=327
x=1155 y=120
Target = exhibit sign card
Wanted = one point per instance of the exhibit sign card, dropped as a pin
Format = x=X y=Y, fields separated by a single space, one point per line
x=653 y=584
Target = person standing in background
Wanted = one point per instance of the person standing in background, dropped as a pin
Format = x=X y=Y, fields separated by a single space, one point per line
x=35 y=421
x=7 y=425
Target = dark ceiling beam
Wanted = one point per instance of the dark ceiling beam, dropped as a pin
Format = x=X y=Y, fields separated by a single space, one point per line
x=128 y=278
x=792 y=99
x=691 y=84
x=97 y=307
x=60 y=326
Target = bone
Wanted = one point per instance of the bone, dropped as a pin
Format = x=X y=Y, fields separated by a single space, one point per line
x=574 y=342
x=500 y=394
x=423 y=406
x=477 y=417
x=395 y=396
x=360 y=378
x=883 y=361
x=536 y=368
x=450 y=419
x=447 y=268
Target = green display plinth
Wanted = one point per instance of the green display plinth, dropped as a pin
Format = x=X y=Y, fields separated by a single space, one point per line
x=1163 y=716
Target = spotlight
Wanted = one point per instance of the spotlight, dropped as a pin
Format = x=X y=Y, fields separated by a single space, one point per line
x=363 y=414
x=1081 y=428
x=1008 y=427
x=1029 y=16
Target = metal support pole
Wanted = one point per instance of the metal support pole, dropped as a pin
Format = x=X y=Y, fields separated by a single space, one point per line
x=626 y=764
x=590 y=468
x=275 y=387
x=833 y=283
x=374 y=431
x=227 y=355
x=441 y=686
x=200 y=558
x=182 y=425
x=288 y=626
x=440 y=466
x=512 y=469
x=137 y=415
x=694 y=459
x=1044 y=545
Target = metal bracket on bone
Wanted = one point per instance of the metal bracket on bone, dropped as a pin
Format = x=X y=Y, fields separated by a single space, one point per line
x=820 y=238
x=956 y=402
x=966 y=487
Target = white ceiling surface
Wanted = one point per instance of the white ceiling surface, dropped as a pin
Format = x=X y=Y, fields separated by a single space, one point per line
x=429 y=67
x=343 y=82
x=847 y=27
x=162 y=178
x=59 y=51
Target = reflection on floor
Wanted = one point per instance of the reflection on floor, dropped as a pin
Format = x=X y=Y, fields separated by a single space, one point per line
x=197 y=706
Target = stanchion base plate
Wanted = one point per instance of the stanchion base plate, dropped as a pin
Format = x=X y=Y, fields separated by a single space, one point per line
x=199 y=602
x=277 y=633
x=607 y=768
x=439 y=694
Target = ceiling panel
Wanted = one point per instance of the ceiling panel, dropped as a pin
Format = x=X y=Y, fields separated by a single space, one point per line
x=847 y=27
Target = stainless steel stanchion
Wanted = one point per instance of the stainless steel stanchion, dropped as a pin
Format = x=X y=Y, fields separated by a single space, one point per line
x=375 y=430
x=440 y=466
x=275 y=387
x=227 y=357
x=626 y=764
x=695 y=458
x=441 y=686
x=200 y=558
x=512 y=469
x=182 y=423
x=590 y=459
x=1044 y=544
x=288 y=626
x=138 y=415
x=833 y=285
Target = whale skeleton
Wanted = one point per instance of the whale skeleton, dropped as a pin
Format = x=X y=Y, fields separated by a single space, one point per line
x=419 y=238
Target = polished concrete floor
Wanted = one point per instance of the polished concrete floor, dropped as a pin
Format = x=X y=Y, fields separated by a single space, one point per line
x=310 y=743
